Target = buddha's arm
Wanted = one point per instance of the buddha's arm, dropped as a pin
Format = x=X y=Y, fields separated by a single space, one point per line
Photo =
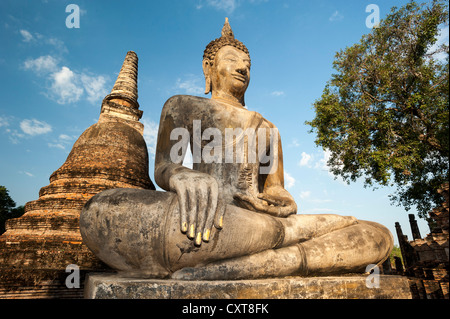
x=274 y=191
x=198 y=193
x=164 y=166
x=274 y=200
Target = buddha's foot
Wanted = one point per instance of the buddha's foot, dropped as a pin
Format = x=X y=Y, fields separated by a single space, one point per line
x=269 y=263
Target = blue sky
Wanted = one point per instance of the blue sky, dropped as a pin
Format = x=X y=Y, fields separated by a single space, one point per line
x=53 y=80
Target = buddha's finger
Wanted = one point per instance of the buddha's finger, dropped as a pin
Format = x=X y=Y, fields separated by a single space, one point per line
x=202 y=200
x=192 y=211
x=182 y=197
x=271 y=199
x=220 y=212
x=243 y=200
x=210 y=211
x=250 y=202
x=259 y=205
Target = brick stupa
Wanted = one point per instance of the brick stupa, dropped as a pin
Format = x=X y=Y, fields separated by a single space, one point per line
x=37 y=247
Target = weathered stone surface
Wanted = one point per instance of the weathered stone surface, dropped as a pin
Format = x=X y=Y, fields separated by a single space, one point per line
x=427 y=259
x=115 y=286
x=229 y=217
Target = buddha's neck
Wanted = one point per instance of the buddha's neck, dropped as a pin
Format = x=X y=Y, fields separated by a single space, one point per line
x=227 y=98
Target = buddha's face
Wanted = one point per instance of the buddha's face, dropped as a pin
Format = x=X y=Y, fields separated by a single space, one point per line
x=230 y=72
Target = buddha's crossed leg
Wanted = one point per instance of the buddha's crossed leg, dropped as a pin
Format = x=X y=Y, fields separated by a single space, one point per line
x=349 y=249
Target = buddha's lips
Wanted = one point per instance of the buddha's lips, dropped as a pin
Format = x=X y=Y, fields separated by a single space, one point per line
x=240 y=77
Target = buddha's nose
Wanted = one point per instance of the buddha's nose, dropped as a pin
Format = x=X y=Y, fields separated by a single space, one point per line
x=242 y=71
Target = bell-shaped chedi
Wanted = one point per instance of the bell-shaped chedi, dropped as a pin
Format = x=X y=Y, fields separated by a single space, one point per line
x=37 y=247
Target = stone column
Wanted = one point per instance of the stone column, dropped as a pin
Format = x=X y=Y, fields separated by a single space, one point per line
x=414 y=227
x=408 y=253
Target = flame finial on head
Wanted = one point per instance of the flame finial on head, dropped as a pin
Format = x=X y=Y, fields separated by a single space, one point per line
x=226 y=30
x=227 y=38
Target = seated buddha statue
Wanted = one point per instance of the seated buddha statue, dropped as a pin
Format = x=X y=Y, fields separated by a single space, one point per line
x=229 y=216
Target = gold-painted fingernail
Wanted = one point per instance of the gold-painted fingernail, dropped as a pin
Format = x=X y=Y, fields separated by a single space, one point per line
x=221 y=222
x=206 y=235
x=184 y=227
x=198 y=239
x=192 y=231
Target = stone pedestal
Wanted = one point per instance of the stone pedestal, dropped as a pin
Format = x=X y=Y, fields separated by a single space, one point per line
x=115 y=286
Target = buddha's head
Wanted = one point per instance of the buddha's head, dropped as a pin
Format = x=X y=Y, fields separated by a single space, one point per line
x=226 y=66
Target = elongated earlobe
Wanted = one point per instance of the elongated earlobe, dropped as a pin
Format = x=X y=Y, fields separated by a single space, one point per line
x=207 y=85
x=206 y=72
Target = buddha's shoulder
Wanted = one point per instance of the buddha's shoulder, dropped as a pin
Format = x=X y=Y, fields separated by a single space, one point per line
x=263 y=122
x=183 y=100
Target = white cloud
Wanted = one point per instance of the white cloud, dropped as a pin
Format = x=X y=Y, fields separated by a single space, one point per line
x=14 y=135
x=3 y=121
x=227 y=5
x=64 y=137
x=305 y=194
x=323 y=211
x=277 y=93
x=26 y=173
x=66 y=85
x=306 y=158
x=191 y=85
x=95 y=87
x=150 y=136
x=43 y=64
x=320 y=200
x=64 y=88
x=34 y=127
x=442 y=38
x=37 y=38
x=58 y=44
x=336 y=16
x=294 y=143
x=62 y=142
x=27 y=36
x=289 y=181
x=322 y=164
x=56 y=145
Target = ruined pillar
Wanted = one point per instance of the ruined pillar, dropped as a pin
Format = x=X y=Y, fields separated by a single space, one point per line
x=414 y=227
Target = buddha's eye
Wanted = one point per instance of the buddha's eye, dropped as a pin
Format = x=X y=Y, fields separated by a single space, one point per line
x=230 y=57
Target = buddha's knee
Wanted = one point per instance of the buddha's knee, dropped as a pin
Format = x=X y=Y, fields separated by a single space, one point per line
x=125 y=229
x=380 y=239
x=349 y=249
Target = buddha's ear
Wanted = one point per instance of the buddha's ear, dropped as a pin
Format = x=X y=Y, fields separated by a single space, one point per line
x=207 y=73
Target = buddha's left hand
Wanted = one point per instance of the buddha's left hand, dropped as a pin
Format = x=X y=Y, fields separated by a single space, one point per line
x=275 y=205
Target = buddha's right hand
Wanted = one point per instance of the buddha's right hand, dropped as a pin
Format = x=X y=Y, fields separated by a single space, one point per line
x=198 y=198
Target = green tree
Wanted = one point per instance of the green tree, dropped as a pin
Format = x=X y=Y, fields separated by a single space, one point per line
x=396 y=252
x=384 y=115
x=7 y=208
